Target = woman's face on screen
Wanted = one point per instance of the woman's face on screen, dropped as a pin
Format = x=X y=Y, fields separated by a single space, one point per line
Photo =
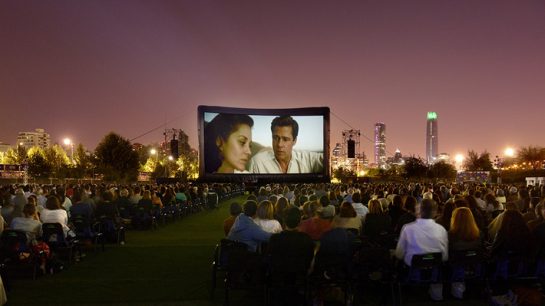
x=236 y=149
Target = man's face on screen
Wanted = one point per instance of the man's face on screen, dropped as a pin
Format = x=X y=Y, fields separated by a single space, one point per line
x=283 y=142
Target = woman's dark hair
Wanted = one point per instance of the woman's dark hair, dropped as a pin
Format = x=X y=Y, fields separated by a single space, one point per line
x=53 y=203
x=220 y=127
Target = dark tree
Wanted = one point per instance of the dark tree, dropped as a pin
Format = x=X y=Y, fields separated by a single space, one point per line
x=116 y=160
x=533 y=156
x=38 y=167
x=442 y=170
x=476 y=162
x=415 y=167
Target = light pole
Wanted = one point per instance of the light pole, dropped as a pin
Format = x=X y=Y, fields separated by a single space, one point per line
x=499 y=161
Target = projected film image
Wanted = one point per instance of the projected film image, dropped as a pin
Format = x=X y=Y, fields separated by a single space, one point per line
x=245 y=143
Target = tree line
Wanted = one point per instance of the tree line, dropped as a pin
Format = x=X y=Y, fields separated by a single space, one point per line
x=114 y=159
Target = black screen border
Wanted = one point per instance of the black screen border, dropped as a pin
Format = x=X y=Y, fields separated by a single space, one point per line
x=304 y=111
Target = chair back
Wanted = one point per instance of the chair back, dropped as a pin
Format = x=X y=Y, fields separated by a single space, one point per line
x=82 y=227
x=467 y=264
x=14 y=242
x=425 y=268
x=53 y=234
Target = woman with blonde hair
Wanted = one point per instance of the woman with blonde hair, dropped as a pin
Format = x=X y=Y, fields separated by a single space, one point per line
x=265 y=218
x=376 y=222
x=464 y=234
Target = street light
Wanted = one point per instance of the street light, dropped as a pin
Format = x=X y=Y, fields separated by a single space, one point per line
x=459 y=158
x=68 y=142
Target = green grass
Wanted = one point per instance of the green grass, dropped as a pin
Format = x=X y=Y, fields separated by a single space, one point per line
x=166 y=266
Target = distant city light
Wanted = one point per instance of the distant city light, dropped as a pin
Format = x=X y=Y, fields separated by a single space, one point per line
x=432 y=115
x=152 y=151
x=67 y=141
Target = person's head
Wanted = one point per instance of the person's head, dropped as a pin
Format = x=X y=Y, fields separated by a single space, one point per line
x=235 y=209
x=265 y=210
x=281 y=205
x=29 y=210
x=327 y=212
x=375 y=207
x=347 y=210
x=463 y=226
x=310 y=208
x=250 y=208
x=32 y=199
x=428 y=209
x=53 y=203
x=292 y=218
x=124 y=193
x=512 y=224
x=284 y=131
x=410 y=204
x=227 y=143
x=356 y=197
x=146 y=195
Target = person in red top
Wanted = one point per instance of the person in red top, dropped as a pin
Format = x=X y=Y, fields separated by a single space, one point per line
x=320 y=224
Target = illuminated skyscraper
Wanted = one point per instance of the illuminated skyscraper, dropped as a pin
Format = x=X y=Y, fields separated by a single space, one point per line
x=432 y=138
x=380 y=144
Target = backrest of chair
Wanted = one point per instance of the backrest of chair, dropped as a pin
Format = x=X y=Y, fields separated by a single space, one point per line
x=53 y=234
x=467 y=264
x=425 y=268
x=226 y=248
x=14 y=241
x=426 y=261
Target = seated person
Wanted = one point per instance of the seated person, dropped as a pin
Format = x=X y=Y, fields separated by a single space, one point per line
x=265 y=218
x=234 y=210
x=320 y=224
x=421 y=237
x=28 y=223
x=246 y=230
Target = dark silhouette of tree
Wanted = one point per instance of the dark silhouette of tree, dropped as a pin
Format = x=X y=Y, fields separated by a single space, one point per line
x=38 y=167
x=442 y=170
x=116 y=160
x=415 y=167
x=82 y=162
x=476 y=162
x=532 y=155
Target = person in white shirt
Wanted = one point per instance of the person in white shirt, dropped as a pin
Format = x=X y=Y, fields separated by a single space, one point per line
x=421 y=237
x=360 y=209
x=283 y=158
x=53 y=213
x=265 y=218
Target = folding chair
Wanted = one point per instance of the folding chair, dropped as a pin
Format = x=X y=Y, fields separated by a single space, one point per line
x=53 y=235
x=425 y=269
x=221 y=257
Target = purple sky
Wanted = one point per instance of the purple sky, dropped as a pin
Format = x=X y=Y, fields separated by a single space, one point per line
x=80 y=69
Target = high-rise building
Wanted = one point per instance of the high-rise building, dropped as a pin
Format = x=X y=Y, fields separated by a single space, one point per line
x=380 y=144
x=432 y=138
x=37 y=138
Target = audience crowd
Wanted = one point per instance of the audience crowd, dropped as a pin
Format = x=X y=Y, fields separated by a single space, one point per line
x=408 y=219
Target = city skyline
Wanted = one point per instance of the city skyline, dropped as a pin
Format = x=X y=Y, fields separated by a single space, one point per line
x=81 y=70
